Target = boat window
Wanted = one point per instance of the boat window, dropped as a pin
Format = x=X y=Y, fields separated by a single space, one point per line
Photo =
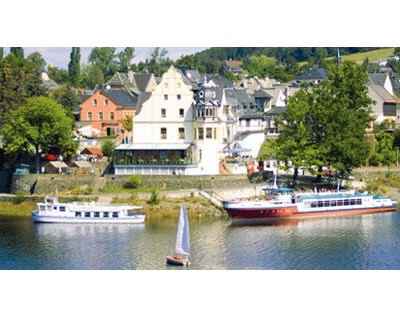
x=358 y=201
x=42 y=207
x=55 y=208
x=87 y=214
x=326 y=203
x=96 y=214
x=340 y=202
x=314 y=204
x=115 y=214
x=320 y=203
x=105 y=214
x=333 y=203
x=346 y=202
x=62 y=208
x=49 y=208
x=78 y=214
x=352 y=202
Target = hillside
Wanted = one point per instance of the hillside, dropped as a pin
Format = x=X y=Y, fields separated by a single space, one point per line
x=282 y=54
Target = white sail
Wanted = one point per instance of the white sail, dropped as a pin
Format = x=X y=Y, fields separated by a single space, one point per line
x=182 y=237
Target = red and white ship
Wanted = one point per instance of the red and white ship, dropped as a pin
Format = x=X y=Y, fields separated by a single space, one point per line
x=283 y=203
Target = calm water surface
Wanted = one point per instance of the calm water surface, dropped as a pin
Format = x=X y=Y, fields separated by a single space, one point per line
x=356 y=242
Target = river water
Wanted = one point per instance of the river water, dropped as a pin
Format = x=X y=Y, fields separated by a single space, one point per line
x=354 y=242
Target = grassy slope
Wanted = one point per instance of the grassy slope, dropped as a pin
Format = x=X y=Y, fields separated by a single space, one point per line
x=373 y=56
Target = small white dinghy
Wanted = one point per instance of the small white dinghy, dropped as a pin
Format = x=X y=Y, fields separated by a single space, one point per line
x=182 y=246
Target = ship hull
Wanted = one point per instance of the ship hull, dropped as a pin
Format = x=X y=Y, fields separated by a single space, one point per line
x=293 y=213
x=137 y=219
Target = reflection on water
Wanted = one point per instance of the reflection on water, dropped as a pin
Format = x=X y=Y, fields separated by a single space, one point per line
x=354 y=242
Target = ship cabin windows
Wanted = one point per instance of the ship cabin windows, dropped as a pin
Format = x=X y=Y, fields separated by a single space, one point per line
x=96 y=214
x=105 y=214
x=42 y=207
x=87 y=214
x=62 y=208
x=334 y=203
x=78 y=214
x=115 y=214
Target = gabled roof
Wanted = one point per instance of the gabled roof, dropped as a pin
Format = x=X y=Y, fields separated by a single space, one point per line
x=122 y=97
x=222 y=81
x=313 y=74
x=261 y=94
x=142 y=80
x=251 y=115
x=81 y=164
x=238 y=97
x=233 y=63
x=143 y=97
x=378 y=79
x=275 y=110
x=92 y=151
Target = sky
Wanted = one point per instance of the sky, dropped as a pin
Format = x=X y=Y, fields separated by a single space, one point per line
x=60 y=56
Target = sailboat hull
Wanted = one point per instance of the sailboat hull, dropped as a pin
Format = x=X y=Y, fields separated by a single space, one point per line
x=176 y=261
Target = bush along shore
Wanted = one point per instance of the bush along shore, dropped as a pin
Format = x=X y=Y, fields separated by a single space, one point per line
x=155 y=207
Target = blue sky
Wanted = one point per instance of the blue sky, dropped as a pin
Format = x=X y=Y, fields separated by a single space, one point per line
x=60 y=56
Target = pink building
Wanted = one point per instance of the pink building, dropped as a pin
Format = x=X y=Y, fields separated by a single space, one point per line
x=106 y=107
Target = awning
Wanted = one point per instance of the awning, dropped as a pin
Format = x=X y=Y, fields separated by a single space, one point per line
x=237 y=150
x=153 y=147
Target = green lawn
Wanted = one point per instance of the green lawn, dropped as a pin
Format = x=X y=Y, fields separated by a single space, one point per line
x=373 y=55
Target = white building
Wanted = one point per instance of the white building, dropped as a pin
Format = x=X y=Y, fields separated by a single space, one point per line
x=176 y=132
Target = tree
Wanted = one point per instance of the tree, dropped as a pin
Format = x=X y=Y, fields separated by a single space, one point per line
x=12 y=91
x=73 y=66
x=60 y=76
x=383 y=149
x=17 y=51
x=103 y=57
x=125 y=59
x=37 y=61
x=293 y=146
x=92 y=75
x=1 y=52
x=40 y=125
x=326 y=125
x=260 y=66
x=108 y=148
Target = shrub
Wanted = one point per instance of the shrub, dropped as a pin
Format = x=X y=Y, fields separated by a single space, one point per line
x=19 y=196
x=154 y=200
x=108 y=148
x=134 y=182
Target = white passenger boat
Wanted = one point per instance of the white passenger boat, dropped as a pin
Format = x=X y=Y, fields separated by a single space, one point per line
x=52 y=211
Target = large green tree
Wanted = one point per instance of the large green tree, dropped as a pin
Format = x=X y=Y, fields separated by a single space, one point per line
x=40 y=125
x=17 y=51
x=326 y=125
x=92 y=75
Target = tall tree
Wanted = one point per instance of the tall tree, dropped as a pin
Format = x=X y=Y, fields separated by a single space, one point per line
x=328 y=122
x=103 y=57
x=125 y=59
x=37 y=61
x=1 y=52
x=40 y=125
x=92 y=75
x=17 y=51
x=73 y=66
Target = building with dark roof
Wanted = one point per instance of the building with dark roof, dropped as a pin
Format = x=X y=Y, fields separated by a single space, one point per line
x=313 y=76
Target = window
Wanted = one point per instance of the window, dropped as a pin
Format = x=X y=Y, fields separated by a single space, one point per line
x=62 y=208
x=320 y=203
x=201 y=133
x=181 y=132
x=178 y=96
x=215 y=133
x=333 y=203
x=313 y=204
x=200 y=155
x=346 y=202
x=326 y=203
x=94 y=102
x=89 y=116
x=105 y=214
x=209 y=133
x=96 y=214
x=111 y=116
x=358 y=201
x=340 y=202
x=87 y=214
x=100 y=116
x=78 y=214
x=163 y=112
x=181 y=112
x=115 y=214
x=165 y=97
x=352 y=202
x=163 y=133
x=105 y=101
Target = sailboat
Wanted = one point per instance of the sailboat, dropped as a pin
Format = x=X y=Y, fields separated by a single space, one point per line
x=182 y=246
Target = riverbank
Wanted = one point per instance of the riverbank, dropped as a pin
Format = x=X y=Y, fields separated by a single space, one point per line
x=164 y=207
